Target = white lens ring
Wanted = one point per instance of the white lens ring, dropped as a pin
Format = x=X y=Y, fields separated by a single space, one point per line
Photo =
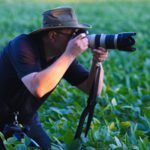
x=115 y=40
x=91 y=40
x=102 y=40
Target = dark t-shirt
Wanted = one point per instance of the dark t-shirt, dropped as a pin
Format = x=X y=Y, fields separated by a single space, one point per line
x=23 y=55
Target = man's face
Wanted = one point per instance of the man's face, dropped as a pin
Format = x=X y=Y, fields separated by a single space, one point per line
x=57 y=41
x=62 y=38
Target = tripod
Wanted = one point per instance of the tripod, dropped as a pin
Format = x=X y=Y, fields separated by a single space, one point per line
x=89 y=109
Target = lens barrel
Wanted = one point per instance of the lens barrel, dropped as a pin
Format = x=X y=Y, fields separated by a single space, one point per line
x=121 y=41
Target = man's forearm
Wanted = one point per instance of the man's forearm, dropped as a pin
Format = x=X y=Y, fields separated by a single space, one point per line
x=40 y=83
x=49 y=78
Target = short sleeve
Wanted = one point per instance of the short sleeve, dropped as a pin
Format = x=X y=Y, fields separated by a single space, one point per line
x=23 y=56
x=76 y=74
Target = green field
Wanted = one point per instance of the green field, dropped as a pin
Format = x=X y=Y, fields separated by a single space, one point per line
x=122 y=115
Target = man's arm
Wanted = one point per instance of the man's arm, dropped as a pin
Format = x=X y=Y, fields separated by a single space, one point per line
x=40 y=83
x=99 y=56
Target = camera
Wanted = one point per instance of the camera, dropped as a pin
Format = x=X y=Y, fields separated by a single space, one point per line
x=122 y=41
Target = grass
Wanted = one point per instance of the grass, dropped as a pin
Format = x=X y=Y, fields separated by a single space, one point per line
x=122 y=115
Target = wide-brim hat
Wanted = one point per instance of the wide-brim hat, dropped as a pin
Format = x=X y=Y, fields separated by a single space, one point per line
x=59 y=18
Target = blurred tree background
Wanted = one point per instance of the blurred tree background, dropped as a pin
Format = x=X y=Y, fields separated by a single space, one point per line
x=122 y=115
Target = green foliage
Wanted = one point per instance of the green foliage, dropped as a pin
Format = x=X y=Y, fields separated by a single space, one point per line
x=122 y=115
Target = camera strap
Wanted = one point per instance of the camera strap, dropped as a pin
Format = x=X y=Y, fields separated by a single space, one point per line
x=89 y=109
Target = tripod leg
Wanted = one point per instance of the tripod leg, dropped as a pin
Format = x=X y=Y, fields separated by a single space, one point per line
x=89 y=120
x=80 y=126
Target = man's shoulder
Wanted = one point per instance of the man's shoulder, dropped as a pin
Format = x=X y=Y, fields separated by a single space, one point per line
x=20 y=46
x=20 y=38
x=21 y=42
x=25 y=40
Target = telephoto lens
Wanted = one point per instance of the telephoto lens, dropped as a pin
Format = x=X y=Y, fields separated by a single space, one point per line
x=121 y=41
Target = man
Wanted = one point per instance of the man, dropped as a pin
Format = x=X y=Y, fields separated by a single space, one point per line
x=31 y=66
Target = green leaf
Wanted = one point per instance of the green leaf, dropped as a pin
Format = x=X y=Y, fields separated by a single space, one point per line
x=2 y=136
x=75 y=145
x=20 y=147
x=125 y=124
x=11 y=140
x=68 y=136
x=114 y=102
x=113 y=146
x=118 y=142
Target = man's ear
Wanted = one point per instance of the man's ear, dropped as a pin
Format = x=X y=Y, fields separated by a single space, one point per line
x=52 y=35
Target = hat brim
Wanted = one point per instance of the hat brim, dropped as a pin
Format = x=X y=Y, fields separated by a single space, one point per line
x=80 y=26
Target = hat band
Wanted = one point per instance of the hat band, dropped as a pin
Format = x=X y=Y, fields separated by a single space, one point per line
x=62 y=24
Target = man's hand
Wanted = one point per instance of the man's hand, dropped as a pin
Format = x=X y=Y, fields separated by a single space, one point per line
x=100 y=54
x=77 y=45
